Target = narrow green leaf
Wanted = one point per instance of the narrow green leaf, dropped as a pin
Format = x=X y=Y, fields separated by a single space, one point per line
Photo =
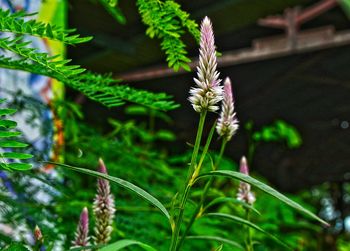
x=12 y=144
x=267 y=189
x=119 y=245
x=16 y=247
x=247 y=223
x=19 y=166
x=6 y=134
x=233 y=200
x=216 y=238
x=7 y=111
x=8 y=124
x=123 y=183
x=219 y=248
x=15 y=155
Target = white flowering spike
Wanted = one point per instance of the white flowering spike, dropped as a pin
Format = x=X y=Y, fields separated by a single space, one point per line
x=227 y=124
x=208 y=92
x=244 y=192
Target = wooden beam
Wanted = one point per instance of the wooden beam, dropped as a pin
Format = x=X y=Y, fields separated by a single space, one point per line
x=307 y=41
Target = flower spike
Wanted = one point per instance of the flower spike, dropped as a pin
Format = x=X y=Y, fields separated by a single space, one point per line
x=103 y=208
x=208 y=92
x=244 y=192
x=227 y=124
x=82 y=233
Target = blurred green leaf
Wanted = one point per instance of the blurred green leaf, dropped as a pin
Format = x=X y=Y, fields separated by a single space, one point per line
x=119 y=245
x=247 y=223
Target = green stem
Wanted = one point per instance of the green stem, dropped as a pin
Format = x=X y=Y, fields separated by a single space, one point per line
x=199 y=208
x=177 y=227
x=249 y=243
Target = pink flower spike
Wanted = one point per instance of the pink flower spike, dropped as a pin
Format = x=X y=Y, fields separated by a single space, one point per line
x=38 y=236
x=103 y=208
x=227 y=125
x=102 y=166
x=208 y=92
x=244 y=191
x=243 y=167
x=82 y=233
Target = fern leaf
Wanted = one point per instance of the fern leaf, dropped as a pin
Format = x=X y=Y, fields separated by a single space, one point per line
x=16 y=24
x=7 y=144
x=168 y=22
x=101 y=88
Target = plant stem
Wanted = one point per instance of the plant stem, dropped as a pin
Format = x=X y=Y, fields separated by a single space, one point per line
x=249 y=236
x=198 y=211
x=177 y=227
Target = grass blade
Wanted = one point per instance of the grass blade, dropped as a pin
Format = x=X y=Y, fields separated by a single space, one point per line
x=267 y=189
x=123 y=183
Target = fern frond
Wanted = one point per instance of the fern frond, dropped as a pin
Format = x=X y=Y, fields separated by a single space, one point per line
x=7 y=143
x=101 y=88
x=15 y=23
x=166 y=20
x=21 y=48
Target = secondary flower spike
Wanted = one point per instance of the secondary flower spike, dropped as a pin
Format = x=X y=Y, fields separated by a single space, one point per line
x=82 y=233
x=244 y=193
x=227 y=124
x=208 y=91
x=103 y=208
x=38 y=236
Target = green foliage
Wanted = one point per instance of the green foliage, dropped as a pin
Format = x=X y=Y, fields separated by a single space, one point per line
x=166 y=21
x=266 y=189
x=233 y=244
x=8 y=143
x=123 y=183
x=112 y=8
x=15 y=23
x=101 y=88
x=345 y=4
x=242 y=221
x=279 y=131
x=119 y=245
x=16 y=247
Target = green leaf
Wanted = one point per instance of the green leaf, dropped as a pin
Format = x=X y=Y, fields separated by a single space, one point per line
x=16 y=247
x=119 y=245
x=4 y=112
x=8 y=124
x=216 y=238
x=219 y=248
x=12 y=144
x=19 y=166
x=345 y=4
x=233 y=200
x=15 y=155
x=267 y=189
x=123 y=183
x=247 y=223
x=6 y=134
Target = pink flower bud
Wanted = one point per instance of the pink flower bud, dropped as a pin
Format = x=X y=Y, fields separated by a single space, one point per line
x=227 y=124
x=82 y=233
x=38 y=235
x=244 y=192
